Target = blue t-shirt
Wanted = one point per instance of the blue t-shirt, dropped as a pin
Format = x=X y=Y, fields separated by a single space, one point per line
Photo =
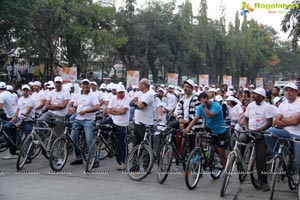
x=216 y=124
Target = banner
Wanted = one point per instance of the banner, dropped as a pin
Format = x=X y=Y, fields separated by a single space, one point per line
x=68 y=73
x=133 y=78
x=259 y=82
x=227 y=80
x=243 y=82
x=172 y=78
x=203 y=79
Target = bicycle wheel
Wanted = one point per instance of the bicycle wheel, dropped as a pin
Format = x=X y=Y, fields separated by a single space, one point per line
x=25 y=151
x=93 y=155
x=82 y=145
x=231 y=160
x=139 y=162
x=164 y=162
x=292 y=173
x=232 y=139
x=3 y=144
x=276 y=170
x=58 y=154
x=104 y=150
x=216 y=167
x=253 y=174
x=193 y=169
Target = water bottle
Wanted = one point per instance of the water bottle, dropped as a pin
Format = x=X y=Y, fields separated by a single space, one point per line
x=196 y=158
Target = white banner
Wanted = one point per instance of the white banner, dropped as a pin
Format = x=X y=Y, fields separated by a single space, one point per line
x=203 y=79
x=259 y=82
x=243 y=82
x=172 y=78
x=227 y=80
x=68 y=73
x=133 y=78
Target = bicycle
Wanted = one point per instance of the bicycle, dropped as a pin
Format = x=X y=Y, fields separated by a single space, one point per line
x=33 y=139
x=283 y=163
x=202 y=157
x=166 y=154
x=99 y=140
x=245 y=162
x=141 y=158
x=60 y=149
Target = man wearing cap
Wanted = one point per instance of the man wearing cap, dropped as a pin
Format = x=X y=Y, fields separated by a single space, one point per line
x=11 y=90
x=171 y=100
x=23 y=116
x=118 y=108
x=186 y=109
x=287 y=122
x=258 y=117
x=56 y=104
x=39 y=97
x=8 y=108
x=143 y=115
x=86 y=106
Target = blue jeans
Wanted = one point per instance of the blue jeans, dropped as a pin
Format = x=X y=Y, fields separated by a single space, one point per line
x=88 y=128
x=270 y=141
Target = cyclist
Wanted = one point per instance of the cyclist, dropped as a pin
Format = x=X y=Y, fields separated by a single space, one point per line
x=212 y=113
x=56 y=104
x=86 y=105
x=143 y=114
x=258 y=117
x=287 y=121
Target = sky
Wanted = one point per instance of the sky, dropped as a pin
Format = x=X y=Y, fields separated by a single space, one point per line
x=271 y=17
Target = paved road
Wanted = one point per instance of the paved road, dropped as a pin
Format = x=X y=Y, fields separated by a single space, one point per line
x=37 y=181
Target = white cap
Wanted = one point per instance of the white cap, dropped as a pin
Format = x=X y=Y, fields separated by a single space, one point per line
x=120 y=83
x=51 y=85
x=245 y=89
x=260 y=91
x=58 y=79
x=291 y=85
x=231 y=98
x=212 y=90
x=252 y=86
x=50 y=82
x=229 y=93
x=2 y=85
x=276 y=99
x=120 y=88
x=134 y=87
x=231 y=87
x=190 y=82
x=103 y=86
x=25 y=87
x=93 y=82
x=161 y=89
x=9 y=87
x=85 y=80
x=171 y=86
x=218 y=98
x=113 y=86
x=37 y=83
x=195 y=85
x=30 y=83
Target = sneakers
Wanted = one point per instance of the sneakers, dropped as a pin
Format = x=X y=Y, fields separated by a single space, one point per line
x=77 y=162
x=121 y=167
x=96 y=164
x=59 y=162
x=10 y=156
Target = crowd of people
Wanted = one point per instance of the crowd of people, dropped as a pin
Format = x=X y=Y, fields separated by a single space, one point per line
x=253 y=109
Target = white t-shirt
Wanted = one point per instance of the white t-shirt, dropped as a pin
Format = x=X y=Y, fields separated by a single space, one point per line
x=73 y=97
x=57 y=98
x=9 y=105
x=23 y=103
x=85 y=102
x=145 y=116
x=38 y=97
x=289 y=110
x=258 y=114
x=120 y=120
x=172 y=101
x=234 y=112
x=161 y=103
x=98 y=94
x=186 y=105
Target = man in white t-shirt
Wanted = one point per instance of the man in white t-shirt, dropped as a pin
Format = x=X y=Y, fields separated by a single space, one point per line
x=39 y=97
x=24 y=116
x=57 y=106
x=287 y=122
x=258 y=118
x=143 y=114
x=8 y=106
x=171 y=100
x=86 y=106
x=118 y=109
